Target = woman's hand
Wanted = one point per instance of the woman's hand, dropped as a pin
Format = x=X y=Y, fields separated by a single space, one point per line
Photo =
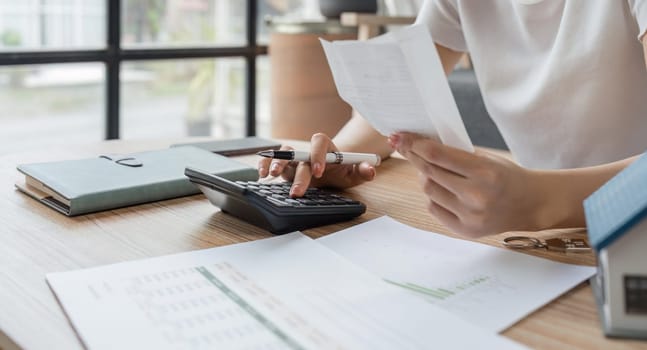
x=474 y=194
x=316 y=172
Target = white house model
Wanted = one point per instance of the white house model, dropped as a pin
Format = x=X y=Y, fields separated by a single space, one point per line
x=616 y=218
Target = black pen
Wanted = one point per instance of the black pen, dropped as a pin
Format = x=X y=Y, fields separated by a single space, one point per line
x=332 y=157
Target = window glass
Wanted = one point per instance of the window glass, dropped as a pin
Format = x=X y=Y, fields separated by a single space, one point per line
x=263 y=111
x=52 y=24
x=194 y=23
x=51 y=104
x=188 y=97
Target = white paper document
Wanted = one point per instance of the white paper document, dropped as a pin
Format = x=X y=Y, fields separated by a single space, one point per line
x=397 y=83
x=488 y=286
x=285 y=292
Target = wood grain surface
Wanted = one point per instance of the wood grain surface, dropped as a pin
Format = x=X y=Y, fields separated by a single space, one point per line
x=36 y=240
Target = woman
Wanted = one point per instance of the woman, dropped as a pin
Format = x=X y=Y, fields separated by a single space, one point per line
x=566 y=84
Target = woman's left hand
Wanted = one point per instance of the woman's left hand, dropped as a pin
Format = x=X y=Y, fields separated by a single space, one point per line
x=473 y=194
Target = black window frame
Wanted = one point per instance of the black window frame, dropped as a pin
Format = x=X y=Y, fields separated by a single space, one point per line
x=113 y=56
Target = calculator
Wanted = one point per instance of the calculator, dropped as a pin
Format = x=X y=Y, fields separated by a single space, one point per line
x=269 y=206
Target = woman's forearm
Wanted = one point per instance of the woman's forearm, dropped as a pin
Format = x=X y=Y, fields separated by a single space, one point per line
x=561 y=192
x=359 y=136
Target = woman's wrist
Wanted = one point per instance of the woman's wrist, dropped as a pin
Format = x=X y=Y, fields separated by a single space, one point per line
x=540 y=214
x=558 y=200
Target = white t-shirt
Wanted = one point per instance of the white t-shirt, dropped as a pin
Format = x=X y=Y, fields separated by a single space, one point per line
x=564 y=80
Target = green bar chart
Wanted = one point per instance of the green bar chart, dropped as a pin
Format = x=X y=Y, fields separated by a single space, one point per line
x=442 y=293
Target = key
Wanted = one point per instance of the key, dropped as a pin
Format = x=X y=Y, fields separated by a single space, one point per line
x=564 y=245
x=568 y=245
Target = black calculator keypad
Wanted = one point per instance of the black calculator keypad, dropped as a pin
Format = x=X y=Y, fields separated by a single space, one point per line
x=268 y=205
x=279 y=194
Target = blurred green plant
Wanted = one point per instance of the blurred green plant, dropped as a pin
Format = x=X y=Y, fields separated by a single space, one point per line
x=201 y=88
x=201 y=91
x=144 y=19
x=10 y=38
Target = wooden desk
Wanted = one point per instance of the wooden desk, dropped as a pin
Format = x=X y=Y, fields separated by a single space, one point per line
x=35 y=240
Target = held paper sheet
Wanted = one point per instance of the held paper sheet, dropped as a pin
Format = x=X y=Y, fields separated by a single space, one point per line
x=487 y=286
x=397 y=83
x=285 y=292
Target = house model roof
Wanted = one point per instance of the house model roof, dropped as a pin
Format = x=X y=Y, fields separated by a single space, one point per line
x=618 y=205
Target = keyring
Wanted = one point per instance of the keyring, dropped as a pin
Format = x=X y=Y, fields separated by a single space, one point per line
x=522 y=242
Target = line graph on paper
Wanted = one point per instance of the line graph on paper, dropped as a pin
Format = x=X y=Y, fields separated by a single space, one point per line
x=488 y=286
x=463 y=295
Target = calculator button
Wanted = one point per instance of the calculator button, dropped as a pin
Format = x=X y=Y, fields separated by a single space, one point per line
x=277 y=202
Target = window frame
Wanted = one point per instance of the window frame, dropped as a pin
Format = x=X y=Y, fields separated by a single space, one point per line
x=114 y=54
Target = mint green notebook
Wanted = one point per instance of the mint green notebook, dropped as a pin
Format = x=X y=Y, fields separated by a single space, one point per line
x=82 y=186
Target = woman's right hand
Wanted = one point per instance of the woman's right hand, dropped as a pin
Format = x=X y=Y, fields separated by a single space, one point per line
x=316 y=172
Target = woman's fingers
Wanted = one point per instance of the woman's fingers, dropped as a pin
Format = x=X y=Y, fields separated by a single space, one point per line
x=443 y=215
x=365 y=172
x=263 y=167
x=289 y=171
x=440 y=195
x=450 y=158
x=304 y=174
x=320 y=144
x=274 y=167
x=346 y=175
x=301 y=181
x=451 y=181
